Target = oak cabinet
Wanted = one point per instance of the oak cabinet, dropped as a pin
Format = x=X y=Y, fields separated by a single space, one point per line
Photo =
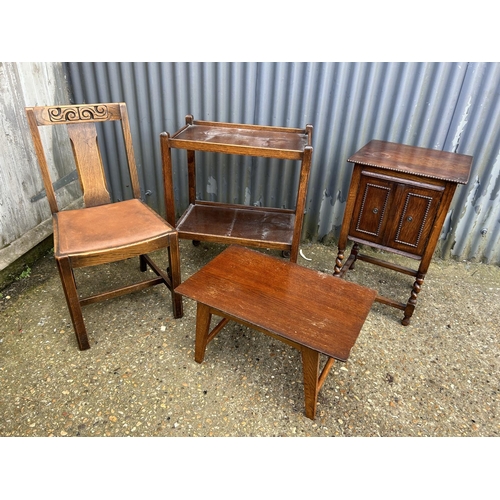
x=398 y=199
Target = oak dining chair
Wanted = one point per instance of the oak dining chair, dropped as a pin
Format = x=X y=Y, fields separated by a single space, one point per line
x=103 y=231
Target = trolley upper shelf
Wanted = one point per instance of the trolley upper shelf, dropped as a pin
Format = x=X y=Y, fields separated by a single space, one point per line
x=240 y=139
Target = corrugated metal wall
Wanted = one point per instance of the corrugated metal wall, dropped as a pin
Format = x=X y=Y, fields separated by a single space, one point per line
x=445 y=106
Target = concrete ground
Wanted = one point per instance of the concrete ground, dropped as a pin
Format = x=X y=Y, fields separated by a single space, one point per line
x=438 y=377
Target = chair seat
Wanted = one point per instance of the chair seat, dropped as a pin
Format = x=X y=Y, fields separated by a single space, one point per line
x=117 y=225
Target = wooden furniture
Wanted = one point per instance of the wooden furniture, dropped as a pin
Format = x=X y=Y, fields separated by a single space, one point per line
x=102 y=232
x=261 y=227
x=398 y=200
x=311 y=311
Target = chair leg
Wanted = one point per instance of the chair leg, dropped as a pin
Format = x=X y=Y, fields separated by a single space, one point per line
x=175 y=275
x=310 y=367
x=142 y=264
x=75 y=309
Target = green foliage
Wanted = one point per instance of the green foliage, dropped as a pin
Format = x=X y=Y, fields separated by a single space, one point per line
x=25 y=274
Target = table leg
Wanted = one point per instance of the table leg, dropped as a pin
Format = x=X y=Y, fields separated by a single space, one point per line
x=338 y=261
x=412 y=301
x=310 y=368
x=203 y=318
x=354 y=254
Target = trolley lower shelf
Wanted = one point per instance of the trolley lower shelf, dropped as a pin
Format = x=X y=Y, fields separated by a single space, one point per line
x=253 y=226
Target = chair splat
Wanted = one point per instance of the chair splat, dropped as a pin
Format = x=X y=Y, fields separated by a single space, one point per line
x=88 y=160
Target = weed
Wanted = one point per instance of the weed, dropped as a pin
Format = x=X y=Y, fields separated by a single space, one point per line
x=25 y=274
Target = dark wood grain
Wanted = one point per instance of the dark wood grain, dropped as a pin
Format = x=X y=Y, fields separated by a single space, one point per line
x=227 y=224
x=102 y=232
x=398 y=200
x=251 y=140
x=426 y=162
x=308 y=307
x=244 y=226
x=311 y=311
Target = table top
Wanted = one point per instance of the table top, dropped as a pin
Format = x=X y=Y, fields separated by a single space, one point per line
x=431 y=163
x=309 y=307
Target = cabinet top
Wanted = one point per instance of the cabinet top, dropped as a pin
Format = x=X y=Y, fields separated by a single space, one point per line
x=234 y=138
x=443 y=165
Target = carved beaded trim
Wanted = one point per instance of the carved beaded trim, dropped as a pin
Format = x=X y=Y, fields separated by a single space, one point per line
x=393 y=169
x=78 y=113
x=429 y=201
x=363 y=206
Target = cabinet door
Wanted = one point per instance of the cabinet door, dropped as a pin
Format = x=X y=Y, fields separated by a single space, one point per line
x=394 y=213
x=414 y=210
x=373 y=201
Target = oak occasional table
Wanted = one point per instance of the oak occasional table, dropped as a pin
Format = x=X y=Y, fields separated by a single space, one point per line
x=398 y=201
x=314 y=312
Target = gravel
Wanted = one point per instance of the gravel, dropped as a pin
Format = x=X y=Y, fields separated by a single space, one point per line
x=437 y=377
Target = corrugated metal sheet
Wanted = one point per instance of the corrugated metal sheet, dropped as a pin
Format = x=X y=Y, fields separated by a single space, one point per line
x=445 y=106
x=476 y=128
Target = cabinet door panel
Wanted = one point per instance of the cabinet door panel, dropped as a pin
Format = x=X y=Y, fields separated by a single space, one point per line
x=415 y=212
x=370 y=211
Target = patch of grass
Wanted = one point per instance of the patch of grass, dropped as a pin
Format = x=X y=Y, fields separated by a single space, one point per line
x=25 y=274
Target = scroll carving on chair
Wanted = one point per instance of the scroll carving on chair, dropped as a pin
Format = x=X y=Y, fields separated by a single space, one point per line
x=102 y=232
